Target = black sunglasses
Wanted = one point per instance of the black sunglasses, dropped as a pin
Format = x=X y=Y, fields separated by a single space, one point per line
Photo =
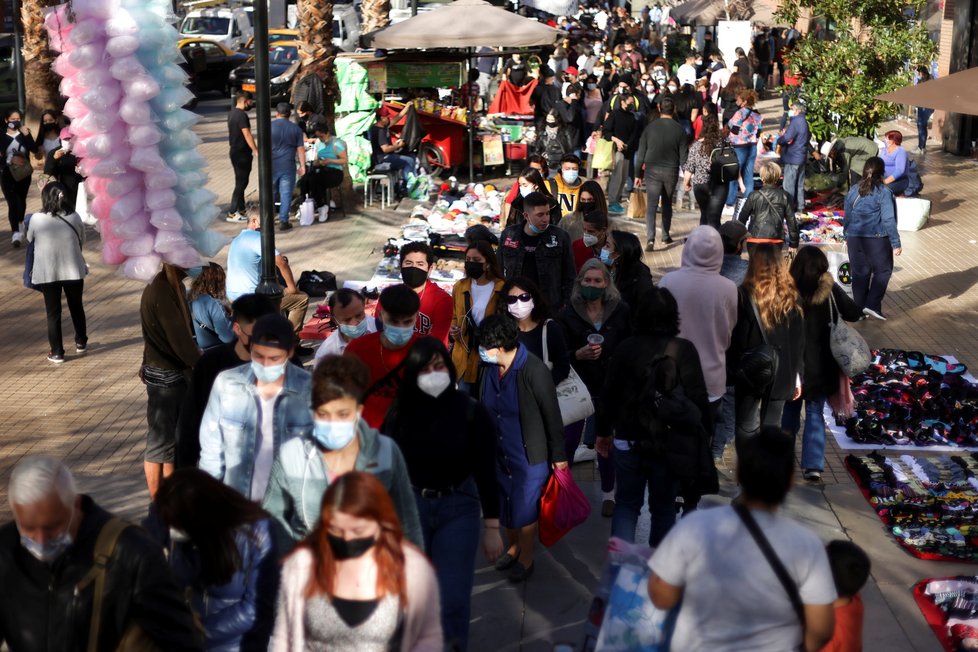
x=513 y=298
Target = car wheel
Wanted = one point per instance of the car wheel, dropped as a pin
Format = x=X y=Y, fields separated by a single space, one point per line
x=431 y=158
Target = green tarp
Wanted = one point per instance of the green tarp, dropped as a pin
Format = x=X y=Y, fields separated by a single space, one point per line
x=354 y=116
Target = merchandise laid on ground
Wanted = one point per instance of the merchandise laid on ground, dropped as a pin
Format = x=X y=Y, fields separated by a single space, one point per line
x=930 y=504
x=908 y=400
x=950 y=606
x=821 y=227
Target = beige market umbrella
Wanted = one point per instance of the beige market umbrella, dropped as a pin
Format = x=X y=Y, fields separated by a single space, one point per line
x=464 y=24
x=957 y=93
x=710 y=12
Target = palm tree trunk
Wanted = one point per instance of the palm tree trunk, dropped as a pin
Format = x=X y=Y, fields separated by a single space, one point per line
x=376 y=14
x=315 y=19
x=40 y=82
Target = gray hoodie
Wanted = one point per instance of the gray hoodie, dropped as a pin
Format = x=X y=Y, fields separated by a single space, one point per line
x=707 y=304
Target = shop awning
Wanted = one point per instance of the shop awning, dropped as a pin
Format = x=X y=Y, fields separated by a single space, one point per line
x=957 y=93
x=710 y=12
x=464 y=24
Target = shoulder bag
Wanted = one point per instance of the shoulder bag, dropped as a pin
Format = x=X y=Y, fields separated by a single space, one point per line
x=759 y=364
x=573 y=396
x=848 y=347
x=772 y=558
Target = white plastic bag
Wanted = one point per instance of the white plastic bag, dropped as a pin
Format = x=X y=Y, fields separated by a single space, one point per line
x=307 y=212
x=81 y=206
x=912 y=213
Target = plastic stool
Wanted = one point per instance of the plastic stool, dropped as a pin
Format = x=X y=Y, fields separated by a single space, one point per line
x=380 y=182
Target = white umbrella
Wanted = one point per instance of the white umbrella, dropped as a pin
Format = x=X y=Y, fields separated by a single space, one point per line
x=464 y=24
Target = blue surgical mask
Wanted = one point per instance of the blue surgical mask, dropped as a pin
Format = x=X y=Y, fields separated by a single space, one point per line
x=268 y=374
x=605 y=256
x=535 y=230
x=484 y=356
x=570 y=176
x=49 y=550
x=334 y=435
x=194 y=272
x=398 y=335
x=353 y=332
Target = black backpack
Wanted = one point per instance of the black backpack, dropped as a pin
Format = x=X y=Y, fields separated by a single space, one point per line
x=316 y=284
x=723 y=163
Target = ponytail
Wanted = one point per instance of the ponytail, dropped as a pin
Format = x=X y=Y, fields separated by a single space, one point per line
x=872 y=176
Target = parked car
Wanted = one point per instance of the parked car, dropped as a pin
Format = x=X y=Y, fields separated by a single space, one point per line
x=274 y=36
x=229 y=27
x=283 y=64
x=346 y=28
x=209 y=65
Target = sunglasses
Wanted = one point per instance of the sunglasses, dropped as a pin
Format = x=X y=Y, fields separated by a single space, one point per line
x=513 y=298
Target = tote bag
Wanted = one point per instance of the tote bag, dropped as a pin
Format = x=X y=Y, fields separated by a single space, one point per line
x=848 y=347
x=603 y=157
x=573 y=396
x=563 y=506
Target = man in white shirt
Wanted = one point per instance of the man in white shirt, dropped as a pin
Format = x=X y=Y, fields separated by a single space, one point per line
x=687 y=71
x=255 y=408
x=348 y=310
x=711 y=553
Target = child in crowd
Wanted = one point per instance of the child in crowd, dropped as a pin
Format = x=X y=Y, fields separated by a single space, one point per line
x=850 y=570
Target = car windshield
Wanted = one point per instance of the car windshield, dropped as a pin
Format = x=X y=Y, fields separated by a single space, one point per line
x=283 y=54
x=336 y=29
x=274 y=38
x=205 y=25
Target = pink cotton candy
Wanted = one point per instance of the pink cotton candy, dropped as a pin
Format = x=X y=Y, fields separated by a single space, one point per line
x=126 y=68
x=109 y=167
x=74 y=108
x=121 y=46
x=101 y=206
x=85 y=32
x=124 y=183
x=165 y=178
x=63 y=67
x=157 y=200
x=147 y=159
x=141 y=245
x=135 y=112
x=182 y=256
x=128 y=205
x=141 y=88
x=167 y=219
x=144 y=135
x=142 y=268
x=133 y=227
x=170 y=241
x=87 y=56
x=111 y=253
x=102 y=98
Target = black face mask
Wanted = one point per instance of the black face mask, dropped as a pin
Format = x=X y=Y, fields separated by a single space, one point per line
x=413 y=277
x=587 y=207
x=350 y=548
x=13 y=125
x=474 y=269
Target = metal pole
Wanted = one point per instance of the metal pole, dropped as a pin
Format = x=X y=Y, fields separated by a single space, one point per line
x=414 y=7
x=263 y=115
x=468 y=114
x=19 y=60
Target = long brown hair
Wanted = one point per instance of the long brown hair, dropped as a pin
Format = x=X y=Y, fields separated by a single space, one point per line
x=361 y=495
x=771 y=286
x=711 y=133
x=872 y=175
x=211 y=282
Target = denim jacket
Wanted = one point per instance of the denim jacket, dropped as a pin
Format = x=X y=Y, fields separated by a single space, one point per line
x=300 y=478
x=228 y=431
x=872 y=215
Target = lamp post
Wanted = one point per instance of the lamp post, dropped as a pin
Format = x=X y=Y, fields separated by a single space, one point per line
x=19 y=60
x=268 y=285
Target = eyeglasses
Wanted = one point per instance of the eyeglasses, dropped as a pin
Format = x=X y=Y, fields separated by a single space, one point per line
x=513 y=298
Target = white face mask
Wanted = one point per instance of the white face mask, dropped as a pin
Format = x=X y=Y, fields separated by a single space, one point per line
x=434 y=383
x=590 y=240
x=524 y=191
x=521 y=309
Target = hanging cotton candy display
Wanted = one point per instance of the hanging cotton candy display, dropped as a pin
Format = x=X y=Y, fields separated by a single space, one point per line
x=126 y=92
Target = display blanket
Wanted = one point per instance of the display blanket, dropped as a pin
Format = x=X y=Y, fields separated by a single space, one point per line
x=929 y=504
x=907 y=401
x=949 y=607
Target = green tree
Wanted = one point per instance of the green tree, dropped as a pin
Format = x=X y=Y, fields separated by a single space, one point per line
x=872 y=48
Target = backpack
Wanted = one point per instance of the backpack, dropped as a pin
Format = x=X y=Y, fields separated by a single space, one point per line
x=915 y=184
x=316 y=284
x=724 y=164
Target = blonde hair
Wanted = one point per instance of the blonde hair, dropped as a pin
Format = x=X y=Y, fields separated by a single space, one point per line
x=770 y=173
x=771 y=286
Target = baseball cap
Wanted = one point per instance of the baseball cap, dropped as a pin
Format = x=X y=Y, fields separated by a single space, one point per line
x=273 y=330
x=732 y=233
x=283 y=108
x=571 y=70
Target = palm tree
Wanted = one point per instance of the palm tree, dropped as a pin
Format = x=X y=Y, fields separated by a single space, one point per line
x=40 y=82
x=376 y=14
x=316 y=32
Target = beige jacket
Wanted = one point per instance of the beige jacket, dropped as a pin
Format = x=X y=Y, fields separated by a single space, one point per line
x=422 y=620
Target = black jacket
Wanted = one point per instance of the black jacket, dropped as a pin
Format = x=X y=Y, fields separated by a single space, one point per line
x=769 y=209
x=624 y=126
x=615 y=327
x=821 y=377
x=63 y=170
x=554 y=260
x=27 y=145
x=516 y=215
x=39 y=611
x=787 y=338
x=540 y=420
x=624 y=379
x=634 y=282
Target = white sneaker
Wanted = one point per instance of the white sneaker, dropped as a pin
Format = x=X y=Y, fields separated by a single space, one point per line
x=332 y=204
x=585 y=454
x=16 y=239
x=323 y=213
x=728 y=210
x=872 y=313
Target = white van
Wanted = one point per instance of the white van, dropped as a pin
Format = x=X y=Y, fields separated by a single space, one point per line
x=346 y=28
x=229 y=27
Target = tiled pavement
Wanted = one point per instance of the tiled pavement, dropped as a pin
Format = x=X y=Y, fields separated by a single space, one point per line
x=91 y=410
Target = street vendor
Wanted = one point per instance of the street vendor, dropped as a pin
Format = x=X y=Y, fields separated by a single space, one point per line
x=849 y=155
x=391 y=152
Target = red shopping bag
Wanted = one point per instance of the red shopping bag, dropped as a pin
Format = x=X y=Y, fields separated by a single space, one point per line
x=562 y=507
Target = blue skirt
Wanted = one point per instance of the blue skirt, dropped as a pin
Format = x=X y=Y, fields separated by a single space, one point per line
x=520 y=487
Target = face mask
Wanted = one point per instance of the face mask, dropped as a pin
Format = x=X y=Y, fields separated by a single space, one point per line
x=474 y=269
x=66 y=146
x=351 y=332
x=194 y=272
x=672 y=89
x=591 y=87
x=50 y=550
x=334 y=435
x=524 y=191
x=598 y=72
x=519 y=310
x=484 y=356
x=570 y=176
x=413 y=277
x=434 y=383
x=13 y=125
x=534 y=229
x=344 y=549
x=178 y=536
x=590 y=240
x=592 y=293
x=605 y=256
x=268 y=374
x=398 y=335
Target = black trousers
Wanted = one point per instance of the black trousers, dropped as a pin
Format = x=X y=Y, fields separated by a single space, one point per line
x=320 y=180
x=242 y=173
x=659 y=182
x=52 y=306
x=710 y=198
x=15 y=194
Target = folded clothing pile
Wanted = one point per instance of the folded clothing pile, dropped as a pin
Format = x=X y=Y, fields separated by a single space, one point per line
x=907 y=397
x=950 y=606
x=821 y=227
x=455 y=211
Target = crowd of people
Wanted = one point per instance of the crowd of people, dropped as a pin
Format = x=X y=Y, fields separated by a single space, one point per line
x=340 y=502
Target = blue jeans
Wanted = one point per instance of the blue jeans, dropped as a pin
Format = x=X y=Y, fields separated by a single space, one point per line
x=813 y=438
x=745 y=156
x=401 y=163
x=635 y=471
x=899 y=185
x=606 y=465
x=923 y=116
x=794 y=184
x=450 y=525
x=871 y=262
x=284 y=182
x=725 y=428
